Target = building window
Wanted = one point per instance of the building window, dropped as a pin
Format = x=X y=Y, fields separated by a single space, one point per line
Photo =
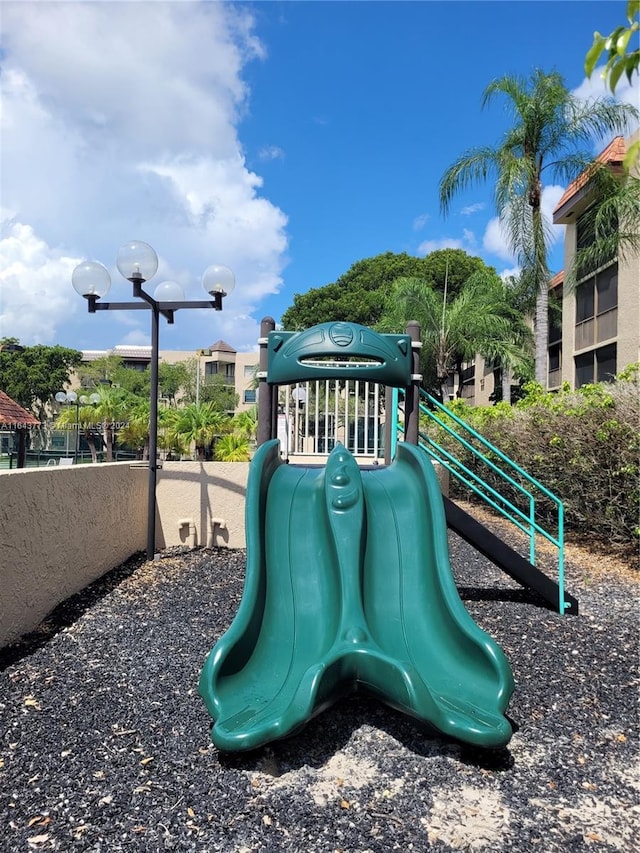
x=249 y=395
x=555 y=316
x=599 y=365
x=226 y=369
x=585 y=237
x=597 y=308
x=584 y=369
x=606 y=358
x=585 y=301
x=607 y=289
x=554 y=379
x=250 y=370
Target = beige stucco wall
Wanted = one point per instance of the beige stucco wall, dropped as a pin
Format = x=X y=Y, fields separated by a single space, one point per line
x=208 y=495
x=61 y=529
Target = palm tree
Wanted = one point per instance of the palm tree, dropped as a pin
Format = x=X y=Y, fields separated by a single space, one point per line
x=552 y=135
x=246 y=423
x=233 y=448
x=88 y=420
x=479 y=319
x=136 y=431
x=197 y=424
x=112 y=408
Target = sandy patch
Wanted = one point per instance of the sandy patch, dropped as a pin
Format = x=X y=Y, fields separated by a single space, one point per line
x=468 y=819
x=610 y=821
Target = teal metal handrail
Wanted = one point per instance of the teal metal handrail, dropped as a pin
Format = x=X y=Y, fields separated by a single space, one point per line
x=525 y=522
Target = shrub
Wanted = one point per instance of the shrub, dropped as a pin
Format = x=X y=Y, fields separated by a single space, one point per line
x=583 y=446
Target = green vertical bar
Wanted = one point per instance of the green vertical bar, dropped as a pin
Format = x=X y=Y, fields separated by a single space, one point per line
x=561 y=603
x=394 y=422
x=532 y=530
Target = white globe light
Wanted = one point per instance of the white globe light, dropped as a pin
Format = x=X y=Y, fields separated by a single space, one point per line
x=72 y=396
x=137 y=260
x=91 y=279
x=169 y=291
x=61 y=397
x=218 y=279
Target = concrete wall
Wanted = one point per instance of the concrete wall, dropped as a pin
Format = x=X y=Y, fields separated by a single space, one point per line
x=61 y=529
x=201 y=504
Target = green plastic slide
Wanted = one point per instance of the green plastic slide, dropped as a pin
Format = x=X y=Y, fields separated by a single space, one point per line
x=349 y=586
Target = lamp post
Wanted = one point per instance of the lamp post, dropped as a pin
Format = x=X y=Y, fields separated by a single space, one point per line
x=72 y=398
x=138 y=263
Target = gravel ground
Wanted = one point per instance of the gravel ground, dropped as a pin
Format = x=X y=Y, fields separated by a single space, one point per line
x=104 y=741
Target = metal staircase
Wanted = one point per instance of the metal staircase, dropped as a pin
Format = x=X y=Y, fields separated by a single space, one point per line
x=522 y=509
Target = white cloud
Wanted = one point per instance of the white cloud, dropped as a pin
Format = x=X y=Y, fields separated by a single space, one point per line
x=466 y=242
x=509 y=272
x=596 y=87
x=469 y=237
x=35 y=294
x=472 y=208
x=420 y=221
x=124 y=126
x=271 y=152
x=495 y=239
x=429 y=246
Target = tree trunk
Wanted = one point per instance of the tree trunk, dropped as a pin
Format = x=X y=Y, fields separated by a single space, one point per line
x=506 y=385
x=92 y=445
x=542 y=334
x=542 y=296
x=108 y=440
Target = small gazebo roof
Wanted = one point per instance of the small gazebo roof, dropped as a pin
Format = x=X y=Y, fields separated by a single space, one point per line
x=13 y=415
x=221 y=346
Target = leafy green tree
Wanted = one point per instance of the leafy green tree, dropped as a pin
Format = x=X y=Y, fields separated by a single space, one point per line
x=479 y=319
x=172 y=379
x=216 y=391
x=234 y=447
x=359 y=295
x=33 y=375
x=135 y=433
x=246 y=423
x=100 y=370
x=622 y=58
x=551 y=134
x=113 y=407
x=196 y=424
x=88 y=421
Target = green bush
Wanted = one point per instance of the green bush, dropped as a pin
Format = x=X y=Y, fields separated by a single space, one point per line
x=583 y=446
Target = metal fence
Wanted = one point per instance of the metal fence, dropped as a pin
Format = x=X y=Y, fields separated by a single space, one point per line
x=313 y=416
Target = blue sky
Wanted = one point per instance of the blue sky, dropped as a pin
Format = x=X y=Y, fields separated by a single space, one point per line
x=287 y=140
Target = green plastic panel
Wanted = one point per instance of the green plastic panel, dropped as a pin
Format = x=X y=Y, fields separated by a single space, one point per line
x=388 y=357
x=348 y=586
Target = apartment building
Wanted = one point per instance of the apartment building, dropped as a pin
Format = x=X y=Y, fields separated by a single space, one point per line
x=599 y=332
x=594 y=327
x=237 y=368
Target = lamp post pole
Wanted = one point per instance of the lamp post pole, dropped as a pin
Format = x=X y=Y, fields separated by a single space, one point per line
x=153 y=431
x=72 y=398
x=138 y=263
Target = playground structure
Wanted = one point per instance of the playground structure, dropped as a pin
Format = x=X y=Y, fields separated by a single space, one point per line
x=348 y=583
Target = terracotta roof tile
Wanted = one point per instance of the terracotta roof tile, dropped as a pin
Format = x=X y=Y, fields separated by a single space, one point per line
x=614 y=153
x=557 y=279
x=11 y=414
